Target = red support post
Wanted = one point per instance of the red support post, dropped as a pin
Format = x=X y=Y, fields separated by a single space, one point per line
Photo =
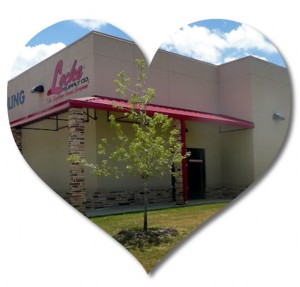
x=184 y=166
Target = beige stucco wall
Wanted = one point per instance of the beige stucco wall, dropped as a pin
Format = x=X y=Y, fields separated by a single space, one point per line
x=46 y=153
x=207 y=137
x=110 y=57
x=254 y=90
x=271 y=92
x=184 y=83
x=237 y=158
x=235 y=89
x=228 y=154
x=228 y=161
x=178 y=82
x=103 y=130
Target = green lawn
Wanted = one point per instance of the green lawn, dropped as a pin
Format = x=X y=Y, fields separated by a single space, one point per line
x=184 y=219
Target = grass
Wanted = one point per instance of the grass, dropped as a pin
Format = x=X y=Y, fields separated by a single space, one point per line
x=184 y=219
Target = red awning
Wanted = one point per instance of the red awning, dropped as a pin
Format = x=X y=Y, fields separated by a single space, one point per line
x=101 y=103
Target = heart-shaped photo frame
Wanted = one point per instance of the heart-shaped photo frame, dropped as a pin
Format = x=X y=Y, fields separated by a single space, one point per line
x=149 y=153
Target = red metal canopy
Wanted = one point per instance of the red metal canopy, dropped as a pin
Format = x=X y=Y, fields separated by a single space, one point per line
x=101 y=103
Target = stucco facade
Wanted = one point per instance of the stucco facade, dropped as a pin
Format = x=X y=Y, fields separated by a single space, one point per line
x=232 y=156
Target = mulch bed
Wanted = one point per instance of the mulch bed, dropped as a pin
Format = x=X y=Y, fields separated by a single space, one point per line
x=138 y=238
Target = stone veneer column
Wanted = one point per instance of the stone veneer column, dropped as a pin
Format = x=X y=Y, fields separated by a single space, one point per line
x=179 y=183
x=17 y=134
x=76 y=195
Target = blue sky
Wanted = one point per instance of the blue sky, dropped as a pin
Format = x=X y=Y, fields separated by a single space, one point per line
x=212 y=41
x=221 y=41
x=69 y=31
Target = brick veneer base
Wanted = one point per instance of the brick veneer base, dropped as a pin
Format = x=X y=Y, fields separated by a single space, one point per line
x=76 y=195
x=17 y=134
x=179 y=196
x=100 y=199
x=224 y=192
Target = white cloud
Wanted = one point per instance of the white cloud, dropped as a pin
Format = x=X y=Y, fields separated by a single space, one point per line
x=259 y=57
x=30 y=56
x=229 y=59
x=196 y=42
x=90 y=23
x=246 y=38
x=211 y=45
x=234 y=57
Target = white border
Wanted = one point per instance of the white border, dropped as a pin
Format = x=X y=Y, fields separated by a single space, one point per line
x=43 y=242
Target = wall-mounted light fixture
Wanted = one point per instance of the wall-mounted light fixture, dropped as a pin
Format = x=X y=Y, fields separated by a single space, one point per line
x=37 y=89
x=278 y=117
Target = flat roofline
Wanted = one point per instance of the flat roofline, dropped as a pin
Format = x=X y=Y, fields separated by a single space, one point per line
x=159 y=50
x=186 y=57
x=106 y=36
x=253 y=58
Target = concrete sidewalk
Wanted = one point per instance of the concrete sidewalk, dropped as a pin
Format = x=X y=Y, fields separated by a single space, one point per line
x=152 y=206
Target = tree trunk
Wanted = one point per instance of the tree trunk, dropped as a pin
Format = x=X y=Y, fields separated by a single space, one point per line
x=145 y=204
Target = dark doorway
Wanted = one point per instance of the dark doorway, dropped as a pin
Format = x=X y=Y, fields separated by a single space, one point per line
x=196 y=173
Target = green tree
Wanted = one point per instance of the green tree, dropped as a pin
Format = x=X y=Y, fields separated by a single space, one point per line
x=151 y=151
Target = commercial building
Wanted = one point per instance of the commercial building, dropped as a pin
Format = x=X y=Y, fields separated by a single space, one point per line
x=233 y=118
